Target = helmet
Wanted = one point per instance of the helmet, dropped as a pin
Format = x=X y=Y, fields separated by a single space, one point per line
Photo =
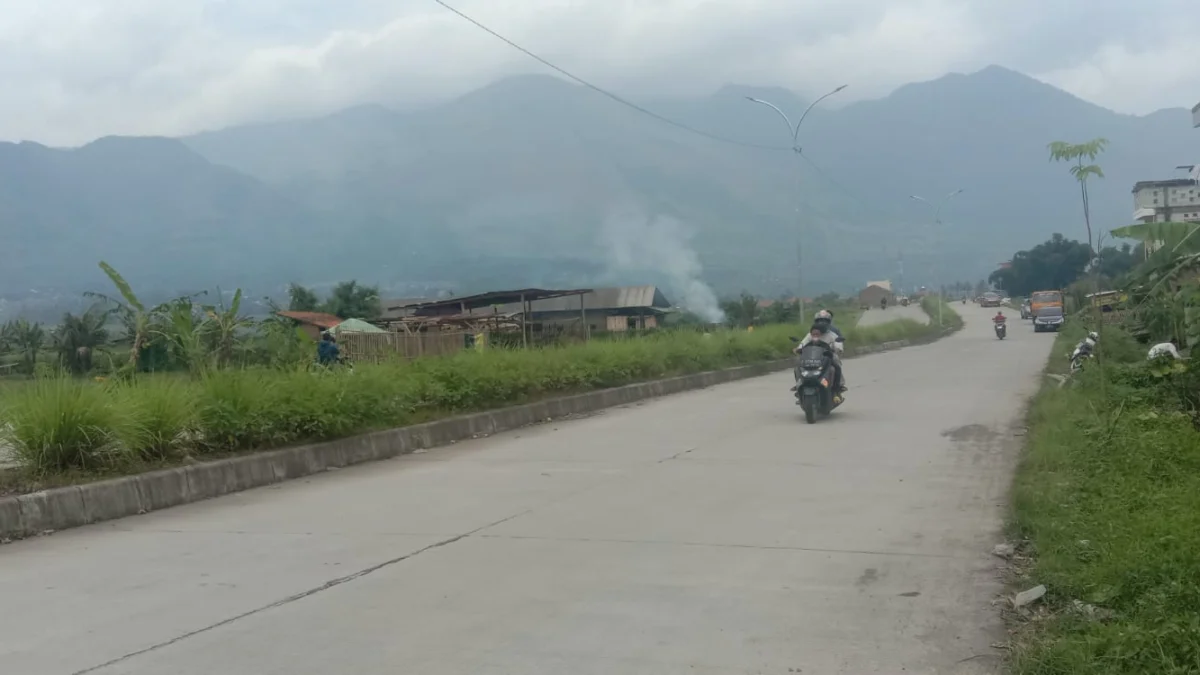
x=821 y=324
x=1094 y=336
x=824 y=315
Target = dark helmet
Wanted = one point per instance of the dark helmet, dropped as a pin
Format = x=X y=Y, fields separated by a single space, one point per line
x=822 y=324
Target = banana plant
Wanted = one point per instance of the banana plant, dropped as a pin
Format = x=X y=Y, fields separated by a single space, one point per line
x=129 y=307
x=140 y=322
x=223 y=325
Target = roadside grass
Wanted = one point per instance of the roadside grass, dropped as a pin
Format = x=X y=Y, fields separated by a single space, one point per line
x=950 y=318
x=1108 y=497
x=67 y=431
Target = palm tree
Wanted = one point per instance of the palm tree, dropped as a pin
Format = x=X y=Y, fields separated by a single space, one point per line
x=77 y=338
x=28 y=338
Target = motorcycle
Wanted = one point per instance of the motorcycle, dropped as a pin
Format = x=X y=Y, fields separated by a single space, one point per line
x=1082 y=353
x=816 y=377
x=1001 y=329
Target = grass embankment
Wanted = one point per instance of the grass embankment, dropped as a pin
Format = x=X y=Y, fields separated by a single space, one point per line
x=68 y=431
x=1108 y=496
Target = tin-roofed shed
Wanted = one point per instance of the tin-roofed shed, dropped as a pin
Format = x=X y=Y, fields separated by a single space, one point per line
x=617 y=309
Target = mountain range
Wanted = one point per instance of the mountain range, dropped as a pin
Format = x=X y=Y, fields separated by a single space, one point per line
x=534 y=181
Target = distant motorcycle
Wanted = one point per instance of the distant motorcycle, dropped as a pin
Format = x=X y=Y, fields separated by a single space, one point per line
x=1001 y=329
x=816 y=380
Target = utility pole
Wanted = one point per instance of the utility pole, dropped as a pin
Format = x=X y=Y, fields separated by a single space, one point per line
x=937 y=225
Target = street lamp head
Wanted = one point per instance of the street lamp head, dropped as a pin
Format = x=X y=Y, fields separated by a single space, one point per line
x=840 y=88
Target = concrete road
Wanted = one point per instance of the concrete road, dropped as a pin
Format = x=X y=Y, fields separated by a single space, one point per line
x=876 y=316
x=710 y=532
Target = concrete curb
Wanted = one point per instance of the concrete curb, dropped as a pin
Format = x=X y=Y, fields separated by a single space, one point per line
x=61 y=508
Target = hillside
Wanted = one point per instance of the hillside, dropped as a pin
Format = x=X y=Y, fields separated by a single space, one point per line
x=150 y=206
x=534 y=180
x=534 y=163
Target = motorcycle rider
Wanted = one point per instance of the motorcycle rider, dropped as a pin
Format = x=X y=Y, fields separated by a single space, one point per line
x=828 y=314
x=822 y=330
x=327 y=350
x=999 y=318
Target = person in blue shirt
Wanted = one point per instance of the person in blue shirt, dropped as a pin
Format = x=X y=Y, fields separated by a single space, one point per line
x=327 y=350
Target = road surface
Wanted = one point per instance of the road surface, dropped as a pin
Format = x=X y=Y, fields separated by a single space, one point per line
x=709 y=532
x=875 y=316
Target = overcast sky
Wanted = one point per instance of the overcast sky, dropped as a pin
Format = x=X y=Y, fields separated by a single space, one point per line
x=73 y=70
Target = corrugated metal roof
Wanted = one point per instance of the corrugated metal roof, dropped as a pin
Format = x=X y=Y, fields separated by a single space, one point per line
x=623 y=297
x=318 y=319
x=396 y=308
x=490 y=299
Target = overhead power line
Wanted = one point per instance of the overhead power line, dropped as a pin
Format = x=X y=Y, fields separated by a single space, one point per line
x=619 y=99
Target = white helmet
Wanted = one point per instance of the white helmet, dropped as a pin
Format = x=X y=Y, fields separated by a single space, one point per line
x=1094 y=336
x=824 y=314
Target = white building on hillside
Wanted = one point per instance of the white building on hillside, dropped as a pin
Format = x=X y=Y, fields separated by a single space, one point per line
x=1160 y=201
x=1174 y=200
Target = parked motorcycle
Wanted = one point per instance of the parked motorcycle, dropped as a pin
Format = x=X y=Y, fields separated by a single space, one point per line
x=816 y=379
x=1001 y=329
x=1083 y=352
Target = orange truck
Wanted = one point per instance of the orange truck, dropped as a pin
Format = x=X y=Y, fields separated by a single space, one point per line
x=1040 y=299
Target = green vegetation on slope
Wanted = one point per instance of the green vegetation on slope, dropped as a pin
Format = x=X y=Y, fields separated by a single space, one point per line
x=1108 y=496
x=66 y=430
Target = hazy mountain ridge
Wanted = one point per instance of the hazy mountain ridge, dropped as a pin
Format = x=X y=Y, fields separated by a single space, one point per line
x=534 y=169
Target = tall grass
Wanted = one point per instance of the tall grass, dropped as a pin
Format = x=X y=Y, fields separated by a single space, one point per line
x=56 y=424
x=63 y=424
x=161 y=414
x=1111 y=504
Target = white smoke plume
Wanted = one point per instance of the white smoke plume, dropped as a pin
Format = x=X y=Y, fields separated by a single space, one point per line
x=637 y=243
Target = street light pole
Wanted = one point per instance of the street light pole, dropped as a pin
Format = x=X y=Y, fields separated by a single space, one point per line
x=794 y=130
x=937 y=223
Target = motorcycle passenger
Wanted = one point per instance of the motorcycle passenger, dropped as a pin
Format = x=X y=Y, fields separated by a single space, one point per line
x=822 y=331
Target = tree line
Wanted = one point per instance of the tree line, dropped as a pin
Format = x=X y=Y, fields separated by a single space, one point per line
x=121 y=333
